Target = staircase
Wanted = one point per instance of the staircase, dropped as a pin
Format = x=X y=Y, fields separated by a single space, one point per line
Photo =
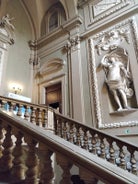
x=36 y=142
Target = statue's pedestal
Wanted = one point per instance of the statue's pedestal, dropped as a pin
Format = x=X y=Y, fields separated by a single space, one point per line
x=123 y=112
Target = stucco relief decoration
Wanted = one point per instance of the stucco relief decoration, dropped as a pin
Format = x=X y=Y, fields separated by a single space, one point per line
x=104 y=8
x=118 y=77
x=104 y=5
x=112 y=77
x=6 y=27
x=52 y=66
x=73 y=43
x=116 y=66
x=34 y=59
x=112 y=39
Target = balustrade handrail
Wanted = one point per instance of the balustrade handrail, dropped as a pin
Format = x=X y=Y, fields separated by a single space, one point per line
x=111 y=148
x=35 y=113
x=8 y=99
x=119 y=152
x=97 y=131
x=97 y=166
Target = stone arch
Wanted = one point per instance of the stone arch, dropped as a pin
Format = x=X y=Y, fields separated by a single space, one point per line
x=61 y=17
x=70 y=8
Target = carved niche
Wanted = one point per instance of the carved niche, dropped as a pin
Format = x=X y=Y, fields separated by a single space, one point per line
x=113 y=56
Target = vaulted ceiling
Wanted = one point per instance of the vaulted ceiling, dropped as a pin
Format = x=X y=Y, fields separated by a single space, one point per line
x=36 y=10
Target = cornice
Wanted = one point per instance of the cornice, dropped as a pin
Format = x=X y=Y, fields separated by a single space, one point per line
x=62 y=30
x=118 y=17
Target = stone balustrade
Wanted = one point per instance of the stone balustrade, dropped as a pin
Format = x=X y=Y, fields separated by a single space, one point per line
x=34 y=113
x=110 y=148
x=29 y=152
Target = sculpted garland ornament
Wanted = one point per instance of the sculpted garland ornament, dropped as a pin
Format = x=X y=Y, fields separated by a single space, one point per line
x=112 y=39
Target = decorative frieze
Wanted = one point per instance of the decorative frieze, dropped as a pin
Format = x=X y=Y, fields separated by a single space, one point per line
x=105 y=8
x=96 y=11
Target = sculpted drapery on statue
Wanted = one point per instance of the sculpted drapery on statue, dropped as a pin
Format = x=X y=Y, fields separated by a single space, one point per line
x=118 y=76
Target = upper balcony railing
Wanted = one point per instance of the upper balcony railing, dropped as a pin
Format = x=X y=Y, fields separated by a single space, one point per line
x=97 y=155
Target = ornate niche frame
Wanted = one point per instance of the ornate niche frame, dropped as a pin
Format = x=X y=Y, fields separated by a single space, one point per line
x=128 y=34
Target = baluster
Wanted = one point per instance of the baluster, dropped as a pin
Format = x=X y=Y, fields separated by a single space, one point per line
x=133 y=163
x=122 y=159
x=74 y=134
x=81 y=137
x=102 y=148
x=33 y=116
x=26 y=114
x=87 y=176
x=59 y=128
x=66 y=166
x=39 y=123
x=94 y=144
x=3 y=104
x=78 y=142
x=31 y=162
x=85 y=141
x=89 y=137
x=45 y=119
x=71 y=133
x=18 y=167
x=46 y=170
x=67 y=131
x=111 y=152
x=64 y=132
x=19 y=112
x=6 y=159
x=11 y=106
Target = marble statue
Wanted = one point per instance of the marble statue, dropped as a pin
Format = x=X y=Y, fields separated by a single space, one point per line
x=117 y=79
x=6 y=20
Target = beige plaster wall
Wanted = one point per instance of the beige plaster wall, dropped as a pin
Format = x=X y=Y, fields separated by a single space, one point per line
x=18 y=69
x=121 y=16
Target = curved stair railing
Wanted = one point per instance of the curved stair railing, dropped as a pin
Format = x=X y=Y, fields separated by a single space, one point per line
x=28 y=152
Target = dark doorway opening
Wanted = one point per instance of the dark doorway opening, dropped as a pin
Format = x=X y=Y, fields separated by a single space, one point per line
x=54 y=96
x=54 y=105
